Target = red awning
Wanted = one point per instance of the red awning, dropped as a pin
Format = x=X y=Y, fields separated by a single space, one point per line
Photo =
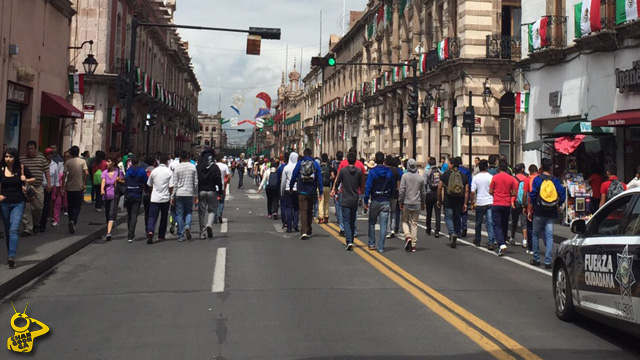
x=54 y=105
x=618 y=119
x=121 y=128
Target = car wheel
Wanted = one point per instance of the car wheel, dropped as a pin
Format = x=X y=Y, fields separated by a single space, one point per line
x=562 y=294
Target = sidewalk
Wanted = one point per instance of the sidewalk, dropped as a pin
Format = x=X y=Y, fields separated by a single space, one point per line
x=38 y=253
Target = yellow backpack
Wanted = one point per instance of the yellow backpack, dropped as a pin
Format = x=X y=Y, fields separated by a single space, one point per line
x=548 y=195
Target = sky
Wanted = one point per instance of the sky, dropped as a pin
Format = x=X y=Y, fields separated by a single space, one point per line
x=219 y=58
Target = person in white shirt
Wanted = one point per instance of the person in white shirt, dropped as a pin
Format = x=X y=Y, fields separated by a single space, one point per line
x=54 y=171
x=161 y=184
x=482 y=201
x=185 y=194
x=635 y=182
x=226 y=178
x=173 y=219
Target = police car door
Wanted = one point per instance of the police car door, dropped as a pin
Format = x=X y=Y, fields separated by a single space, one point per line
x=604 y=264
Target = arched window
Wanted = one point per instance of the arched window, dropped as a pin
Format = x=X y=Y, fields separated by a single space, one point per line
x=118 y=47
x=206 y=143
x=206 y=129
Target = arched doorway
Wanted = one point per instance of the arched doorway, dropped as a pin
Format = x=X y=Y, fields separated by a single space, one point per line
x=506 y=131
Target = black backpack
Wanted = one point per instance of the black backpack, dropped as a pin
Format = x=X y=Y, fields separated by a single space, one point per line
x=307 y=171
x=434 y=179
x=272 y=182
x=326 y=174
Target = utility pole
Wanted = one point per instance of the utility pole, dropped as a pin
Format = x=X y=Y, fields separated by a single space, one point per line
x=468 y=121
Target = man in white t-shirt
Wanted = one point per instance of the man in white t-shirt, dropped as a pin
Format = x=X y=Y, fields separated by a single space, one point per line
x=226 y=177
x=482 y=201
x=161 y=184
x=173 y=219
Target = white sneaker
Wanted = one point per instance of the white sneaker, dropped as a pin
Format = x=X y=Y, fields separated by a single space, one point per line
x=524 y=243
x=304 y=236
x=130 y=240
x=529 y=252
x=502 y=250
x=55 y=224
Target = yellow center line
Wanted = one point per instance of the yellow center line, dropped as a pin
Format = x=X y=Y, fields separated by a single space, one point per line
x=448 y=311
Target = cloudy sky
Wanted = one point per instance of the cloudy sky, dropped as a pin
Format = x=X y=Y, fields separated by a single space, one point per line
x=221 y=64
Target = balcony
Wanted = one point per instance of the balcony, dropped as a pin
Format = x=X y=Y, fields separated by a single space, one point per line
x=604 y=39
x=503 y=47
x=553 y=45
x=449 y=50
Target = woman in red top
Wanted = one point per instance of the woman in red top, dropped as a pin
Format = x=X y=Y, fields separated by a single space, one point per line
x=595 y=180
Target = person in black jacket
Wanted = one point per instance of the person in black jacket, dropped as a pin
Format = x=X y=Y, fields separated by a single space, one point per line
x=209 y=188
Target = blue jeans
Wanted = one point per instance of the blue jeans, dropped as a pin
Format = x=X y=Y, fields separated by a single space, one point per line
x=381 y=209
x=350 y=214
x=481 y=212
x=184 y=210
x=542 y=224
x=339 y=211
x=501 y=216
x=12 y=218
x=155 y=210
x=291 y=209
x=452 y=219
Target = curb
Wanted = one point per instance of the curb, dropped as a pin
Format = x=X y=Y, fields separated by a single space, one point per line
x=48 y=263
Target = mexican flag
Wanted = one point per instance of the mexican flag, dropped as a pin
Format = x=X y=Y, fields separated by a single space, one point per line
x=438 y=114
x=587 y=17
x=627 y=10
x=422 y=65
x=443 y=49
x=397 y=74
x=374 y=85
x=76 y=83
x=538 y=34
x=114 y=115
x=522 y=102
x=353 y=96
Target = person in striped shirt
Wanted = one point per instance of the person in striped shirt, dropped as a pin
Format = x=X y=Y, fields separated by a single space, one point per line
x=39 y=168
x=185 y=194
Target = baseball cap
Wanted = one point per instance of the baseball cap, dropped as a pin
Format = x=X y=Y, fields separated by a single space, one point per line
x=48 y=151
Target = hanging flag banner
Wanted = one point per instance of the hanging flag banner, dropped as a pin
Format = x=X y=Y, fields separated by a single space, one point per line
x=76 y=83
x=114 y=115
x=443 y=49
x=538 y=34
x=627 y=10
x=438 y=114
x=522 y=102
x=587 y=17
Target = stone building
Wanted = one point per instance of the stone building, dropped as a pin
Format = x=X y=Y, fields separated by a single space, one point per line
x=458 y=46
x=210 y=134
x=290 y=109
x=33 y=72
x=167 y=86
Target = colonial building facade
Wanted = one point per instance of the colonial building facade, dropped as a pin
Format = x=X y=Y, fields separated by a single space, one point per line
x=167 y=88
x=458 y=46
x=33 y=72
x=210 y=134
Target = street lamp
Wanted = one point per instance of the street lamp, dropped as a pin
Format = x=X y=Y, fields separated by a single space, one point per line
x=508 y=83
x=90 y=63
x=486 y=93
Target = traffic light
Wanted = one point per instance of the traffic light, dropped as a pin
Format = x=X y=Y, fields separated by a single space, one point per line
x=329 y=60
x=151 y=119
x=265 y=33
x=468 y=118
x=413 y=105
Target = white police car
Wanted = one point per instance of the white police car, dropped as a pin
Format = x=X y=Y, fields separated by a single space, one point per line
x=597 y=272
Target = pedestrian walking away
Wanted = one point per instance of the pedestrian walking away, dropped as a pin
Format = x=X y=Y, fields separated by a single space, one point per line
x=135 y=181
x=503 y=187
x=98 y=165
x=378 y=187
x=350 y=181
x=612 y=187
x=431 y=180
x=184 y=195
x=481 y=202
x=210 y=186
x=289 y=192
x=39 y=167
x=308 y=177
x=226 y=178
x=341 y=165
x=13 y=179
x=411 y=198
x=546 y=197
x=518 y=206
x=161 y=187
x=74 y=183
x=394 y=213
x=111 y=178
x=270 y=185
x=54 y=175
x=328 y=177
x=452 y=194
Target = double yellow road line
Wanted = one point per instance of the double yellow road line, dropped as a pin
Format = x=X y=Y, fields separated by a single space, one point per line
x=486 y=336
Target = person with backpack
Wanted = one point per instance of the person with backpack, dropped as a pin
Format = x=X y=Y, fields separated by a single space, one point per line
x=210 y=187
x=546 y=197
x=240 y=167
x=431 y=179
x=98 y=165
x=453 y=191
x=411 y=200
x=135 y=181
x=518 y=204
x=612 y=187
x=503 y=187
x=464 y=218
x=394 y=216
x=307 y=175
x=336 y=198
x=328 y=175
x=378 y=187
x=289 y=193
x=481 y=202
x=351 y=181
x=270 y=184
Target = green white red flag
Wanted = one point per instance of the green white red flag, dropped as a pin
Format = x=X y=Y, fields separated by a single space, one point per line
x=443 y=49
x=522 y=102
x=438 y=114
x=587 y=17
x=76 y=83
x=627 y=10
x=114 y=115
x=538 y=34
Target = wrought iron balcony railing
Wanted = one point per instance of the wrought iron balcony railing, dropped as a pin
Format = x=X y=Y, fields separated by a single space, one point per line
x=503 y=47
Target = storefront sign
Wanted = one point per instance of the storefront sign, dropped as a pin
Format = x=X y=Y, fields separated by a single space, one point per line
x=89 y=109
x=18 y=93
x=585 y=127
x=629 y=80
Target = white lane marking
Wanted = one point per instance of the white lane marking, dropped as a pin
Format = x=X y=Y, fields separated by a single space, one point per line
x=223 y=226
x=252 y=191
x=227 y=191
x=254 y=197
x=279 y=228
x=218 y=271
x=513 y=260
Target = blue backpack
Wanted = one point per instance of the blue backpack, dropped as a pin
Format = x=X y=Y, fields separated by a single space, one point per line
x=521 y=195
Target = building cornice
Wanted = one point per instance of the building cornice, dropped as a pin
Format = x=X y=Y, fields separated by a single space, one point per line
x=65 y=7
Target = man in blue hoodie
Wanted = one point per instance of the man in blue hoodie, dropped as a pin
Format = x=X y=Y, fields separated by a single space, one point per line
x=379 y=184
x=308 y=177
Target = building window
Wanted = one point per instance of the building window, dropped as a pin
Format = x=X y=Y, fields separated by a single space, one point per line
x=206 y=129
x=213 y=143
x=118 y=36
x=206 y=143
x=213 y=129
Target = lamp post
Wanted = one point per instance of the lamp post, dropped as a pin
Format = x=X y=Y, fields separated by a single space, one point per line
x=90 y=63
x=508 y=83
x=468 y=121
x=427 y=103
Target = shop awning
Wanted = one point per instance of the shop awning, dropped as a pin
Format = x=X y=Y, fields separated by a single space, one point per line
x=537 y=144
x=579 y=127
x=54 y=105
x=618 y=119
x=593 y=144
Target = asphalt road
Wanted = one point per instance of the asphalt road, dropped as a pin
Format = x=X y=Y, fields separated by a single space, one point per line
x=255 y=292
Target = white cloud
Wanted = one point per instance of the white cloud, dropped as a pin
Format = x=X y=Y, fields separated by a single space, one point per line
x=219 y=58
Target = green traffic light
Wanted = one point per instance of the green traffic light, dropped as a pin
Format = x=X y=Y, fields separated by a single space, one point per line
x=331 y=62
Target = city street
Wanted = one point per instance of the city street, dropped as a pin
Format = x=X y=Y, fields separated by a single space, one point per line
x=256 y=292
